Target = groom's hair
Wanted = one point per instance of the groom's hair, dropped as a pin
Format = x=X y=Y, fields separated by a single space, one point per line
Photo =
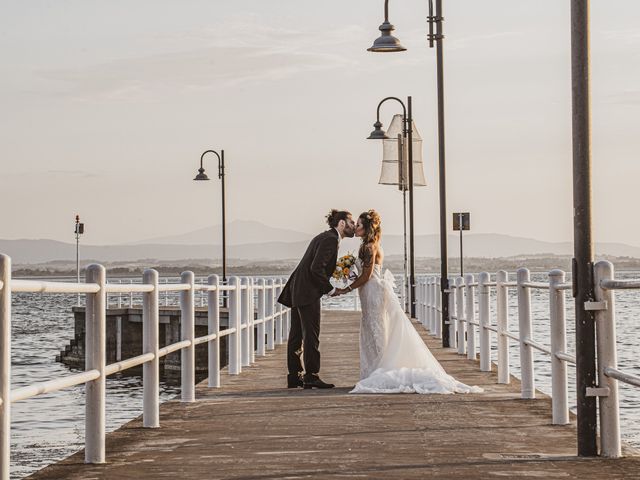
x=335 y=216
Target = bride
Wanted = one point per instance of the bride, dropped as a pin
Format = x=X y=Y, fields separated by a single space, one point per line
x=393 y=356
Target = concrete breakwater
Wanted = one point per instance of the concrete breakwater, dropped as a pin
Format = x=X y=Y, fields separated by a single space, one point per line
x=124 y=339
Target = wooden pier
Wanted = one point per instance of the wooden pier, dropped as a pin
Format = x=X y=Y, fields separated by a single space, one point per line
x=254 y=428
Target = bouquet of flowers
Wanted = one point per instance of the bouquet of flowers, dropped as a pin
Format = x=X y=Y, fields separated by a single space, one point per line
x=345 y=270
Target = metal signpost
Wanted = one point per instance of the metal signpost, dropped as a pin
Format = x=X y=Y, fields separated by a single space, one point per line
x=79 y=230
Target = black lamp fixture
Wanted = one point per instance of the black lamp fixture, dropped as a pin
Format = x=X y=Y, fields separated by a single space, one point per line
x=386 y=42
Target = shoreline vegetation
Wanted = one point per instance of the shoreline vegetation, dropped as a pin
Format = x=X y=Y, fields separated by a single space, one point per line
x=535 y=263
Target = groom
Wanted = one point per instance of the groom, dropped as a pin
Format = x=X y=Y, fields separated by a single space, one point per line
x=302 y=293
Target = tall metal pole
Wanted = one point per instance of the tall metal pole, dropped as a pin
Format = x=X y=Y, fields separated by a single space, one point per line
x=402 y=185
x=583 y=243
x=405 y=291
x=461 y=257
x=224 y=224
x=444 y=274
x=412 y=263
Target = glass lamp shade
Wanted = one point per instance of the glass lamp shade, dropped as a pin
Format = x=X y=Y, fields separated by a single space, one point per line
x=394 y=171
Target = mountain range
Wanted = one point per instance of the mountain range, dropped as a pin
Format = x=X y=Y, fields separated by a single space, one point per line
x=258 y=242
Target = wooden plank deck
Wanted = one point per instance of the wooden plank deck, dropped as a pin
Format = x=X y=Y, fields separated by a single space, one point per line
x=253 y=428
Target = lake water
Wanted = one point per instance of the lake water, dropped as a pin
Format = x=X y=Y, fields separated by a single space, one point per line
x=50 y=427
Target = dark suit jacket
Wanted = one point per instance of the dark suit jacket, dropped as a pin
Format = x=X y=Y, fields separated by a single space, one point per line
x=310 y=280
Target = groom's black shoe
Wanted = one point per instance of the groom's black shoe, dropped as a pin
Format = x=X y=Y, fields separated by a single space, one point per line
x=313 y=381
x=294 y=380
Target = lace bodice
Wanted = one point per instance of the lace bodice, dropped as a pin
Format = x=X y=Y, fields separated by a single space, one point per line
x=373 y=332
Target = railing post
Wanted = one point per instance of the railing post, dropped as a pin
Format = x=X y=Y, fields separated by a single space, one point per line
x=233 y=340
x=422 y=287
x=252 y=321
x=427 y=308
x=213 y=322
x=95 y=358
x=525 y=333
x=287 y=312
x=187 y=332
x=261 y=314
x=453 y=314
x=607 y=358
x=244 y=319
x=438 y=308
x=270 y=324
x=150 y=369
x=502 y=308
x=484 y=320
x=558 y=334
x=470 y=316
x=5 y=366
x=460 y=316
x=278 y=310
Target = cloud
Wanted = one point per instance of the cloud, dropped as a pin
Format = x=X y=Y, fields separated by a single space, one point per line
x=241 y=52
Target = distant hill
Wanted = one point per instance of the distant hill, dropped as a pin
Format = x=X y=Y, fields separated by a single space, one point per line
x=263 y=243
x=238 y=232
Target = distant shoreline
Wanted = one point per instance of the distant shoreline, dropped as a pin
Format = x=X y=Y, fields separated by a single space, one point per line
x=535 y=263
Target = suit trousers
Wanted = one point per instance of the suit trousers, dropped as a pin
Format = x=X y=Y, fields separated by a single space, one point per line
x=305 y=333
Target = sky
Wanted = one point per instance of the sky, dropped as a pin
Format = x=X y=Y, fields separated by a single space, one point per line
x=107 y=106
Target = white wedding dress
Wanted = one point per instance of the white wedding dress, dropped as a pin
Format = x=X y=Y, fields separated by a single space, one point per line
x=393 y=357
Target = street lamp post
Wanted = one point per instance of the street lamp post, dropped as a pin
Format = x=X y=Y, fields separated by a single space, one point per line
x=203 y=176
x=582 y=239
x=379 y=134
x=388 y=43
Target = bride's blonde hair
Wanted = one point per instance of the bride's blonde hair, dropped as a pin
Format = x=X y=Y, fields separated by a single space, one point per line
x=372 y=231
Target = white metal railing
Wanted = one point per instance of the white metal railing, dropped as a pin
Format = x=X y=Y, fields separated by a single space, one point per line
x=272 y=324
x=470 y=300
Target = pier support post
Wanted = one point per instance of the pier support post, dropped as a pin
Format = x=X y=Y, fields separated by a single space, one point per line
x=453 y=323
x=252 y=322
x=460 y=316
x=150 y=369
x=270 y=311
x=484 y=320
x=213 y=322
x=233 y=341
x=502 y=308
x=438 y=310
x=607 y=358
x=470 y=316
x=558 y=335
x=95 y=359
x=277 y=309
x=246 y=322
x=261 y=314
x=187 y=332
x=5 y=366
x=527 y=384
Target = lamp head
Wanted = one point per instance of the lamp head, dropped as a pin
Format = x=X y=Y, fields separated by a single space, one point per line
x=378 y=133
x=386 y=42
x=201 y=175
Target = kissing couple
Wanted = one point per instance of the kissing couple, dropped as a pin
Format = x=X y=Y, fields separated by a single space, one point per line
x=393 y=356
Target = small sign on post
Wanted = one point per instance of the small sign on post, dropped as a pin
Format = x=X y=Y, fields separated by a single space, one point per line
x=461 y=221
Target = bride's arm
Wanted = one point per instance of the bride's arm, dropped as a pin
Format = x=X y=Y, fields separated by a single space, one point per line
x=367 y=271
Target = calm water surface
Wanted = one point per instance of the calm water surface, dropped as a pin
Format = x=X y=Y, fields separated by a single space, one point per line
x=50 y=427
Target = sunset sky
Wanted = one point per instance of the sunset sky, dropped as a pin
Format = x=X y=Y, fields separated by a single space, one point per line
x=107 y=106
